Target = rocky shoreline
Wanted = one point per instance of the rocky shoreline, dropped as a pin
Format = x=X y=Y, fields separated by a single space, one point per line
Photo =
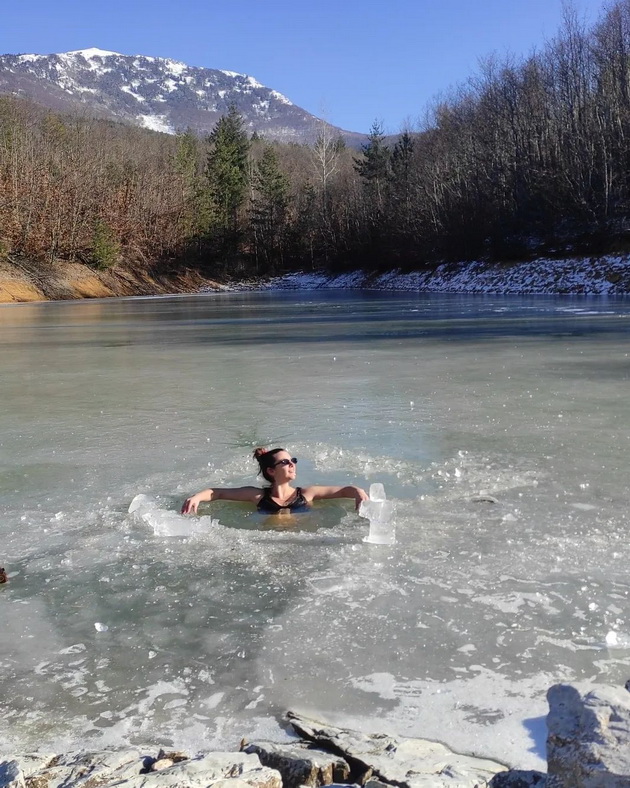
x=588 y=746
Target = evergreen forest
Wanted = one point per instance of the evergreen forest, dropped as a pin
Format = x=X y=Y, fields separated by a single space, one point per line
x=528 y=158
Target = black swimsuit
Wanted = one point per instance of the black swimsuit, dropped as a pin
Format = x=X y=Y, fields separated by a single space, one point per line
x=268 y=506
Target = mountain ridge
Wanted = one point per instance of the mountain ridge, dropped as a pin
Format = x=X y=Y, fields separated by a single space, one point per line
x=157 y=93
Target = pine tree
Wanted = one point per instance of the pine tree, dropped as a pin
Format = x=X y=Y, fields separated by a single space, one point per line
x=401 y=181
x=374 y=170
x=269 y=208
x=195 y=217
x=105 y=246
x=374 y=166
x=227 y=172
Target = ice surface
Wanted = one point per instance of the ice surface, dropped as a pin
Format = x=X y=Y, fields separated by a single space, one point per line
x=378 y=510
x=237 y=622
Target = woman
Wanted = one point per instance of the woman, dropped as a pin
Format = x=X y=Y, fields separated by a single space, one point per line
x=279 y=468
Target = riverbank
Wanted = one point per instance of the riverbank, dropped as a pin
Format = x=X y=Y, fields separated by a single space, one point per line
x=24 y=282
x=609 y=275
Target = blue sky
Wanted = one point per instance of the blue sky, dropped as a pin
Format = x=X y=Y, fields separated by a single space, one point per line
x=351 y=61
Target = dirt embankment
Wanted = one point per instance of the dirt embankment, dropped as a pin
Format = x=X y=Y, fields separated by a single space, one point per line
x=21 y=282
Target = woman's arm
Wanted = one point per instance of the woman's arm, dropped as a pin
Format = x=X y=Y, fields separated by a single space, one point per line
x=350 y=491
x=249 y=494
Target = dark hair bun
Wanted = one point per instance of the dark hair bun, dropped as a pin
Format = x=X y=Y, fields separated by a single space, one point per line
x=259 y=451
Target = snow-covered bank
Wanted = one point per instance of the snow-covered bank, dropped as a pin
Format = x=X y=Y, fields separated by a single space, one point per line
x=608 y=275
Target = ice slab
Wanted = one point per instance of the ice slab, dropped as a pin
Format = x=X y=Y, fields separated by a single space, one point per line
x=378 y=510
x=147 y=510
x=616 y=639
x=377 y=492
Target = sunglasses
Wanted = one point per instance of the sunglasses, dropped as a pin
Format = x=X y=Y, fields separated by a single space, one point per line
x=292 y=461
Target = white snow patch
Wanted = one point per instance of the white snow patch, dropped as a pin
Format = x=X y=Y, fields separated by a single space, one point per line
x=30 y=58
x=156 y=123
x=175 y=66
x=93 y=52
x=169 y=85
x=231 y=73
x=281 y=98
x=609 y=275
x=137 y=96
x=255 y=83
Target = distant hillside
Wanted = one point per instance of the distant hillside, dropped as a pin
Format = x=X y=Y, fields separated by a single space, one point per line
x=156 y=93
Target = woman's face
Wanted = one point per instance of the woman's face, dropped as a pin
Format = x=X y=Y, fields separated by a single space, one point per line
x=284 y=469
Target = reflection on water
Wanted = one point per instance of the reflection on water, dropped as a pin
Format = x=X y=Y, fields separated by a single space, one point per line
x=498 y=424
x=289 y=318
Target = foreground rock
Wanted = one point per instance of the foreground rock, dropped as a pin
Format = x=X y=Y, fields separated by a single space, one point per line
x=132 y=769
x=588 y=746
x=300 y=764
x=516 y=778
x=588 y=743
x=409 y=763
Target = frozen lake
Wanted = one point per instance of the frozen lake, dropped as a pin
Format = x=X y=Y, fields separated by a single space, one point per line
x=453 y=633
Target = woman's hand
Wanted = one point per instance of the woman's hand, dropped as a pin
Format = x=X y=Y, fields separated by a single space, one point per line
x=191 y=504
x=249 y=494
x=360 y=495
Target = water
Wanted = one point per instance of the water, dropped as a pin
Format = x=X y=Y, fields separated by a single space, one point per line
x=113 y=633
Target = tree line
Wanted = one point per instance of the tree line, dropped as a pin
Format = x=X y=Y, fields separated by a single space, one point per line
x=528 y=157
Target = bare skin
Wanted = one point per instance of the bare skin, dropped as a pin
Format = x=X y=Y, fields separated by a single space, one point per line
x=282 y=492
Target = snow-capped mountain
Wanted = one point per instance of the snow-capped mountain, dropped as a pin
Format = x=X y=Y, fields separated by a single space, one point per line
x=157 y=93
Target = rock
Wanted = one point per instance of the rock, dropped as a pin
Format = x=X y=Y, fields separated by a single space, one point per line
x=126 y=769
x=3 y=575
x=231 y=782
x=31 y=763
x=516 y=778
x=588 y=740
x=211 y=771
x=84 y=769
x=408 y=763
x=300 y=765
x=11 y=776
x=176 y=756
x=160 y=764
